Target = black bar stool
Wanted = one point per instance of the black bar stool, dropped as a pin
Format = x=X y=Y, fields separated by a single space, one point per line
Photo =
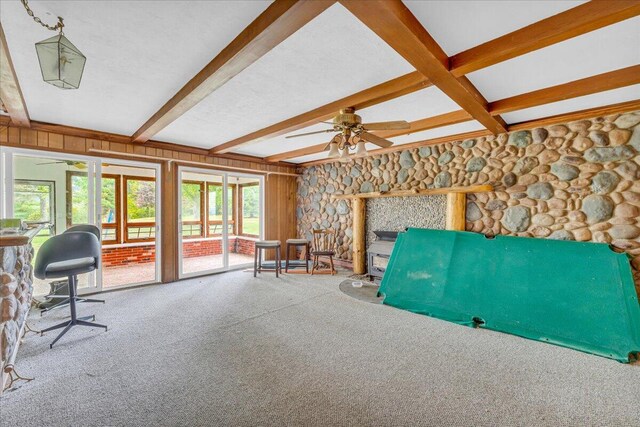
x=68 y=255
x=257 y=255
x=81 y=227
x=296 y=243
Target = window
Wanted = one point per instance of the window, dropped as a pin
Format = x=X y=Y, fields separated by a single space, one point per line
x=214 y=210
x=250 y=220
x=77 y=198
x=192 y=207
x=140 y=209
x=34 y=201
x=110 y=205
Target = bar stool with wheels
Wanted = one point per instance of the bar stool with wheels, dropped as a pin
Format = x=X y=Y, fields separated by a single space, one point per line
x=257 y=255
x=67 y=255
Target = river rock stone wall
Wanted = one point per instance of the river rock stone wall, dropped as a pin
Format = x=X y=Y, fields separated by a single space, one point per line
x=574 y=181
x=16 y=289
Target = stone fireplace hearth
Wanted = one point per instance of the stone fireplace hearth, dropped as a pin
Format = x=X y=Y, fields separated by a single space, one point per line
x=398 y=213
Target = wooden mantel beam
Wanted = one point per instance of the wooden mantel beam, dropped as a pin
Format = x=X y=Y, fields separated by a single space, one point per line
x=280 y=20
x=574 y=22
x=382 y=92
x=392 y=21
x=10 y=92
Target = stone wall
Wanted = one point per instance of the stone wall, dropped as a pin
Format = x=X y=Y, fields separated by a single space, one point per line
x=575 y=181
x=16 y=290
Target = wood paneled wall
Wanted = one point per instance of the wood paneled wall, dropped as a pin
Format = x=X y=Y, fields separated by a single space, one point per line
x=280 y=191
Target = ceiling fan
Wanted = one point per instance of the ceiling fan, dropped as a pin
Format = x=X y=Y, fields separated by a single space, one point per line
x=353 y=134
x=76 y=164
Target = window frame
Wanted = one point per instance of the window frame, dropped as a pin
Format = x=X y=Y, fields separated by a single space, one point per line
x=241 y=210
x=201 y=184
x=52 y=200
x=230 y=222
x=69 y=196
x=117 y=225
x=118 y=215
x=125 y=217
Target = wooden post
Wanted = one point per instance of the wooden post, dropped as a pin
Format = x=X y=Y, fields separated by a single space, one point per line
x=358 y=244
x=170 y=230
x=456 y=210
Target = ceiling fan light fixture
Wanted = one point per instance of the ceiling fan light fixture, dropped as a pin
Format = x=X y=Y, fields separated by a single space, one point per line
x=333 y=150
x=344 y=153
x=361 y=150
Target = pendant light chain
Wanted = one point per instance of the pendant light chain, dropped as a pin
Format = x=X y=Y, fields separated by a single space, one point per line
x=58 y=27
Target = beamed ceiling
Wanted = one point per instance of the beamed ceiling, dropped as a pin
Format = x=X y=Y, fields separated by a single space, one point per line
x=239 y=76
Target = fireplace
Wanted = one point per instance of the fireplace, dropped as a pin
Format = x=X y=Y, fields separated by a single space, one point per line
x=378 y=254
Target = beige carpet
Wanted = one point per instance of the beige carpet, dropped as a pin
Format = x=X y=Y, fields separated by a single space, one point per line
x=234 y=350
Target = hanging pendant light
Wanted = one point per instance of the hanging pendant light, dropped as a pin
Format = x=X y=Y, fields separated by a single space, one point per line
x=61 y=63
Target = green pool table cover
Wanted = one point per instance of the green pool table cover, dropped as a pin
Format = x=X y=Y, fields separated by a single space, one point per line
x=577 y=295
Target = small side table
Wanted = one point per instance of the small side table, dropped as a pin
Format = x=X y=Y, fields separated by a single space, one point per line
x=296 y=243
x=257 y=255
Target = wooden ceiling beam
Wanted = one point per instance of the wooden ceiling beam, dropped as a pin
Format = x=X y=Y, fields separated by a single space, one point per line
x=621 y=107
x=380 y=93
x=440 y=120
x=313 y=149
x=574 y=22
x=10 y=92
x=392 y=21
x=587 y=86
x=280 y=20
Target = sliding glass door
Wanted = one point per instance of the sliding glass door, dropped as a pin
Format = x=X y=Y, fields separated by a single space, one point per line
x=220 y=218
x=58 y=191
x=54 y=192
x=129 y=215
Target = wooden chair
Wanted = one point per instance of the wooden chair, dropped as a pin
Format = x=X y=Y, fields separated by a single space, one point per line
x=324 y=245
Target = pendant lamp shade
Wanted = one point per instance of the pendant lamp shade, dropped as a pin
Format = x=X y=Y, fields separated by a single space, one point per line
x=333 y=150
x=61 y=62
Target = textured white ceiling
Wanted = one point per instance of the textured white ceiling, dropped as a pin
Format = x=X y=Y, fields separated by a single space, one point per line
x=615 y=96
x=331 y=57
x=139 y=54
x=415 y=106
x=607 y=49
x=462 y=24
x=418 y=105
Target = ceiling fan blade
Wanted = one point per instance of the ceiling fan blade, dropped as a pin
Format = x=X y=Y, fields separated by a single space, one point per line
x=310 y=133
x=375 y=139
x=399 y=124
